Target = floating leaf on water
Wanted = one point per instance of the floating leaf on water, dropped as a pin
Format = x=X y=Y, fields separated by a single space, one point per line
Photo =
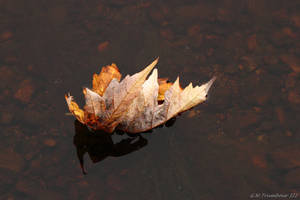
x=132 y=105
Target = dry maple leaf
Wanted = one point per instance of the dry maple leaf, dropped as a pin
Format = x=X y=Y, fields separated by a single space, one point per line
x=132 y=105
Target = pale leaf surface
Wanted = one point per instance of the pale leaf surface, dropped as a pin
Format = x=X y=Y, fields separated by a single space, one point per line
x=140 y=113
x=94 y=103
x=123 y=95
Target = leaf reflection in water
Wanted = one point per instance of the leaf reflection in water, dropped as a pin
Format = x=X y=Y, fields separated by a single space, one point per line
x=100 y=145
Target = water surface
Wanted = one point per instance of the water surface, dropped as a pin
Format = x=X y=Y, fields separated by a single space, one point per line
x=241 y=143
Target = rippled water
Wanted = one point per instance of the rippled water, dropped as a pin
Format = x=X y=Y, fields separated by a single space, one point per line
x=242 y=143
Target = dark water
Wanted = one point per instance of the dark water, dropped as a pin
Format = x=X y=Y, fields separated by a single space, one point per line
x=242 y=143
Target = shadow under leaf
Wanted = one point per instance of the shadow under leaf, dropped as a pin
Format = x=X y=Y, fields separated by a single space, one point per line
x=99 y=144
